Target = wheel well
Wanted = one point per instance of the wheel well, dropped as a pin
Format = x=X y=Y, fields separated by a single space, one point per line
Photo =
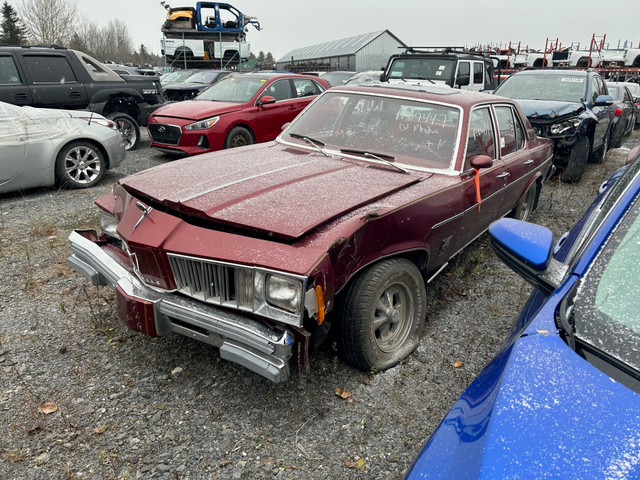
x=93 y=143
x=243 y=125
x=636 y=62
x=122 y=105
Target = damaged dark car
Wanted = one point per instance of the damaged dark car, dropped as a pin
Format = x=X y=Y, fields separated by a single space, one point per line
x=571 y=107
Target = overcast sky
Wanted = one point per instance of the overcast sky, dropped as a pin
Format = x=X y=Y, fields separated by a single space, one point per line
x=287 y=25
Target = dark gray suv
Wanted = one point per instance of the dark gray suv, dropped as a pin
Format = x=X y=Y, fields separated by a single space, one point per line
x=571 y=107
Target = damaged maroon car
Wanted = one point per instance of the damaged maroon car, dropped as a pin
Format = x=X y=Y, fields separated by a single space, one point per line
x=343 y=220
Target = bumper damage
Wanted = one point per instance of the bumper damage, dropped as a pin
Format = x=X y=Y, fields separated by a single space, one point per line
x=242 y=340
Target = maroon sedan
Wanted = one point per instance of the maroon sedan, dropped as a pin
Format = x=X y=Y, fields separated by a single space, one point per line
x=241 y=109
x=343 y=220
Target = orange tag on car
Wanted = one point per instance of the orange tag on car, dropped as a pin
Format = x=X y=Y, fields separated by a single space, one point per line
x=476 y=181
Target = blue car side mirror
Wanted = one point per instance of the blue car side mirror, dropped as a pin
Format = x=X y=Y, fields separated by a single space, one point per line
x=527 y=249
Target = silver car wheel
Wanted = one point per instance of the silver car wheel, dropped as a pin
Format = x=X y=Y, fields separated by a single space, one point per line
x=82 y=165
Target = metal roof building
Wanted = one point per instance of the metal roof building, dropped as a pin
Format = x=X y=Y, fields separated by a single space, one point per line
x=369 y=51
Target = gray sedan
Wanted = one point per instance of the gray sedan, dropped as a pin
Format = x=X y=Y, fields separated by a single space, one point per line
x=41 y=147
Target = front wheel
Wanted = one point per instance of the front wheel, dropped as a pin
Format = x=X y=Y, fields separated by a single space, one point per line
x=382 y=315
x=80 y=165
x=577 y=161
x=238 y=137
x=128 y=128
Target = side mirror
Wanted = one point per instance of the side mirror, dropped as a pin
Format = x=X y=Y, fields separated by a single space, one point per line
x=285 y=126
x=603 y=101
x=266 y=99
x=481 y=161
x=383 y=77
x=526 y=249
x=463 y=80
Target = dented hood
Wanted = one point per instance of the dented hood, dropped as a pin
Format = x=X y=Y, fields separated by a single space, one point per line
x=269 y=189
x=543 y=110
x=196 y=109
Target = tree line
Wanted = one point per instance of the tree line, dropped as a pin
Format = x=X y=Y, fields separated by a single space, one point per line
x=58 y=22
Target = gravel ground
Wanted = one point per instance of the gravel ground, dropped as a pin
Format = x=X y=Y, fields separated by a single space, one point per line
x=130 y=406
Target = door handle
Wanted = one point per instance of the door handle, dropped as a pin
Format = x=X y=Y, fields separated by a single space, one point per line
x=504 y=175
x=21 y=96
x=529 y=162
x=74 y=94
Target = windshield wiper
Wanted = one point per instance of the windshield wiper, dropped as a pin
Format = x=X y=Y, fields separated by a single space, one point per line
x=381 y=157
x=311 y=141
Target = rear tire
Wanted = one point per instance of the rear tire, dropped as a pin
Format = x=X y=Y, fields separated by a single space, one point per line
x=525 y=205
x=382 y=315
x=577 y=161
x=80 y=164
x=128 y=128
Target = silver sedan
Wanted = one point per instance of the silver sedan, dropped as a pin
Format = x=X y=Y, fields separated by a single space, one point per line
x=41 y=147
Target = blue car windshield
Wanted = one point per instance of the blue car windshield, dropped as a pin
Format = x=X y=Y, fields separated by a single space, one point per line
x=545 y=86
x=607 y=305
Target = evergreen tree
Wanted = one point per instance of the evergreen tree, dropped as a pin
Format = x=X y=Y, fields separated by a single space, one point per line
x=11 y=29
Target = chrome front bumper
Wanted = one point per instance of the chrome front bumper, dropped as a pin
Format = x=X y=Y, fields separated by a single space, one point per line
x=240 y=339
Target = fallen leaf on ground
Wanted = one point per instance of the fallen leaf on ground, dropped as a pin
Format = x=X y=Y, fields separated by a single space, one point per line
x=48 y=407
x=457 y=364
x=100 y=430
x=342 y=393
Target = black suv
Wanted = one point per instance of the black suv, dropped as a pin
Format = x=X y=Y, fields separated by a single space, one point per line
x=446 y=66
x=57 y=77
x=571 y=107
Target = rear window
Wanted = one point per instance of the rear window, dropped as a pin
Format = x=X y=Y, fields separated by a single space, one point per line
x=49 y=69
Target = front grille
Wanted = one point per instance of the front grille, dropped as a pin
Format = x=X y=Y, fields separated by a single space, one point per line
x=166 y=134
x=213 y=282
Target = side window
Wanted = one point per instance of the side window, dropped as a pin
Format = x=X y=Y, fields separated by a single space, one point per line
x=595 y=89
x=510 y=128
x=464 y=68
x=280 y=90
x=627 y=95
x=49 y=69
x=8 y=71
x=480 y=140
x=305 y=87
x=478 y=74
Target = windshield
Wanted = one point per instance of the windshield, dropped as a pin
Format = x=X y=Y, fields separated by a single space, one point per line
x=607 y=304
x=235 y=89
x=178 y=76
x=203 y=77
x=541 y=86
x=408 y=131
x=422 y=68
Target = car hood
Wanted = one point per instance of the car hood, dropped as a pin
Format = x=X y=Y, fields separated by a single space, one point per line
x=541 y=110
x=196 y=109
x=187 y=86
x=537 y=411
x=269 y=188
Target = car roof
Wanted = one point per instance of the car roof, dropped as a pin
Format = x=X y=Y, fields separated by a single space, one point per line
x=552 y=71
x=438 y=93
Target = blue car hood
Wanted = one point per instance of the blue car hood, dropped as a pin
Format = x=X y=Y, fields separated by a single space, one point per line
x=550 y=110
x=537 y=411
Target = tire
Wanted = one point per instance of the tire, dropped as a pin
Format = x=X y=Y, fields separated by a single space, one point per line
x=80 y=164
x=128 y=128
x=525 y=206
x=382 y=315
x=600 y=155
x=577 y=161
x=238 y=137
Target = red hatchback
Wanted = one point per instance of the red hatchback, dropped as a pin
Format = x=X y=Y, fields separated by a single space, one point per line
x=240 y=110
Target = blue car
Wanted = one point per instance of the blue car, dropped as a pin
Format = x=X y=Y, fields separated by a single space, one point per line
x=562 y=397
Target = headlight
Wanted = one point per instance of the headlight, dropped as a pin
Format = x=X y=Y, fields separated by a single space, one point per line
x=565 y=126
x=284 y=292
x=108 y=224
x=202 y=124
